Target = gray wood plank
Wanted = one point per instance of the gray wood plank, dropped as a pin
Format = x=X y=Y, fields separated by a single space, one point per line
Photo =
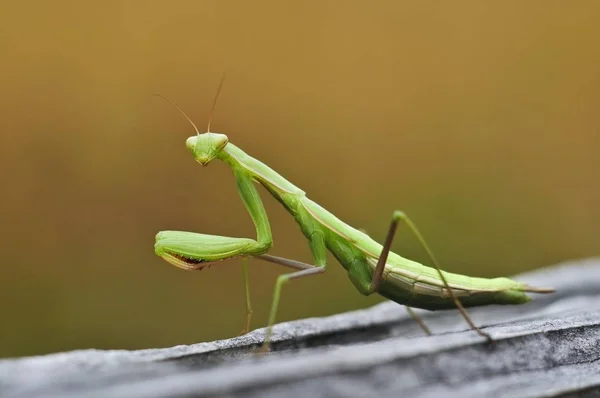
x=549 y=347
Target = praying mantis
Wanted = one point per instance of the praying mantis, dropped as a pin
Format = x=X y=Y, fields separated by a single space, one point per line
x=372 y=267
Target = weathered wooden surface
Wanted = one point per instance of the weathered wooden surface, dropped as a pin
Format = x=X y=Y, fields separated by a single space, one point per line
x=549 y=347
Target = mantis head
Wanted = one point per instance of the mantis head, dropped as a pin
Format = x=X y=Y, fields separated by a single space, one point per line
x=205 y=147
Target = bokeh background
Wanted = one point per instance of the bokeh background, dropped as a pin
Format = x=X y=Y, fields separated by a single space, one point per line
x=479 y=119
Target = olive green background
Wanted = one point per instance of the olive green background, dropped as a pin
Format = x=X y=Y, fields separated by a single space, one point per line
x=479 y=119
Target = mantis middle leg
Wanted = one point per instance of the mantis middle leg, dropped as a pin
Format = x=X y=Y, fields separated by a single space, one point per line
x=317 y=244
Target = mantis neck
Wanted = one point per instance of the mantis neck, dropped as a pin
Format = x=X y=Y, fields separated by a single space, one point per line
x=258 y=171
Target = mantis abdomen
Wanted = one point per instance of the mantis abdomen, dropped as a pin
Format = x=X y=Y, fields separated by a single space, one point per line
x=405 y=281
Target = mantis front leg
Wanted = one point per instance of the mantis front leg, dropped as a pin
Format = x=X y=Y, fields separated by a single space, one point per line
x=193 y=251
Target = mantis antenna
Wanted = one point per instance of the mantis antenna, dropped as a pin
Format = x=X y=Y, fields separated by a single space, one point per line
x=214 y=104
x=180 y=111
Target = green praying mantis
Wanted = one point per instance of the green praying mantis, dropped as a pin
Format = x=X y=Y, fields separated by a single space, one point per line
x=371 y=267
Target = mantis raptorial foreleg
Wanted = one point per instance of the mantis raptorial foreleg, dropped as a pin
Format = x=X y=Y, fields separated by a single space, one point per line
x=379 y=268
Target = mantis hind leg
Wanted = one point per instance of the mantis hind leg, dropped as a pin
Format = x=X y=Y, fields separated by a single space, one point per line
x=401 y=216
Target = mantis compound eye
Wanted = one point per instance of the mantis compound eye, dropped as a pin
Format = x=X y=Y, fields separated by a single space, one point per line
x=190 y=143
x=221 y=140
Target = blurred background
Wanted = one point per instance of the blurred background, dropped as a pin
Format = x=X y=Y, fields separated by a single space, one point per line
x=479 y=120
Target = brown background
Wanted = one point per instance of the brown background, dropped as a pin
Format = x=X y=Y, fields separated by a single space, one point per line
x=479 y=119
